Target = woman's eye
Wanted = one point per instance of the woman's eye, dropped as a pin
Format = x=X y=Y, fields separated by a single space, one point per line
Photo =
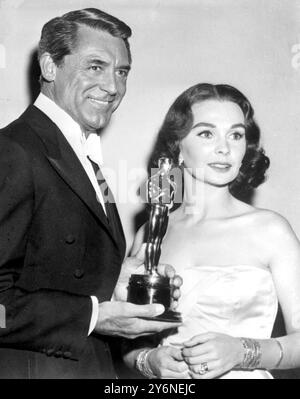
x=206 y=134
x=237 y=135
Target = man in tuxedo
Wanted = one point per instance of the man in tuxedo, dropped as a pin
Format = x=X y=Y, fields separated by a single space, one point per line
x=61 y=243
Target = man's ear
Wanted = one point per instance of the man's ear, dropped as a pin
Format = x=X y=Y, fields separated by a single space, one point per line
x=48 y=67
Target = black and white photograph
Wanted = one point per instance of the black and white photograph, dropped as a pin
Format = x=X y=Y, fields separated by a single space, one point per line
x=150 y=191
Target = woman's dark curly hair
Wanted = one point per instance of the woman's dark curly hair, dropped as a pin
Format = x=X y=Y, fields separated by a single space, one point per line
x=179 y=121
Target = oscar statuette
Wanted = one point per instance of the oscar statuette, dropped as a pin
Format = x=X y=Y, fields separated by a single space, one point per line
x=151 y=287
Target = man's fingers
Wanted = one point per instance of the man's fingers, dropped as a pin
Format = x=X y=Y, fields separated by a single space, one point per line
x=132 y=265
x=142 y=314
x=119 y=309
x=177 y=281
x=166 y=270
x=140 y=255
x=154 y=326
x=176 y=293
x=169 y=271
x=174 y=305
x=151 y=310
x=129 y=320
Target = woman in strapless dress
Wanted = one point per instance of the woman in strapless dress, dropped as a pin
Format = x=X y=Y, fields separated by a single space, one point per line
x=237 y=261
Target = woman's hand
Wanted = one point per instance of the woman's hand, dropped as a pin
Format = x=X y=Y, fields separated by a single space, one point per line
x=167 y=362
x=210 y=355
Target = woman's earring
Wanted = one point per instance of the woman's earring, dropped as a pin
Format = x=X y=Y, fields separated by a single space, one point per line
x=180 y=160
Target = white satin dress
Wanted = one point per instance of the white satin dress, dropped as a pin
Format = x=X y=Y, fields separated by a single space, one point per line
x=239 y=300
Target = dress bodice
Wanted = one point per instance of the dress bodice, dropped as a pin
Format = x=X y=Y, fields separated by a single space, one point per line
x=238 y=300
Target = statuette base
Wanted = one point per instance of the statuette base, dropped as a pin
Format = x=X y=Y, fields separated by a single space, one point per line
x=145 y=289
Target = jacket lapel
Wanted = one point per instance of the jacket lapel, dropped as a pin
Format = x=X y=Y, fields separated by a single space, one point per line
x=63 y=159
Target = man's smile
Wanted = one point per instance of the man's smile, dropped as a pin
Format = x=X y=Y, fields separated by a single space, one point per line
x=99 y=101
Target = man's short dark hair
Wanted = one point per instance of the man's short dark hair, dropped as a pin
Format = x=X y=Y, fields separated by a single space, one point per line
x=59 y=35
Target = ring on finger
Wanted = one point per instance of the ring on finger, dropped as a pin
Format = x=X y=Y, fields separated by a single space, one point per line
x=202 y=368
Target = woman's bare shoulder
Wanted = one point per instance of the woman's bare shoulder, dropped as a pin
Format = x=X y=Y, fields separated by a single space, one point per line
x=268 y=221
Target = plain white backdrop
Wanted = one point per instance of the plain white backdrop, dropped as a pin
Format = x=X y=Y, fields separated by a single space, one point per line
x=251 y=44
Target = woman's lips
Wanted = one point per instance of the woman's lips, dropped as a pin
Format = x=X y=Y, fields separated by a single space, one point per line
x=221 y=167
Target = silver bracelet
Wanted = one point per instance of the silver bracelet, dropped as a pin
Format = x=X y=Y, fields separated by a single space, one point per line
x=142 y=363
x=280 y=352
x=252 y=354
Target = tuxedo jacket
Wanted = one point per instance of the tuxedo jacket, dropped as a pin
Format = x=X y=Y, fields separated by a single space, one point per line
x=57 y=248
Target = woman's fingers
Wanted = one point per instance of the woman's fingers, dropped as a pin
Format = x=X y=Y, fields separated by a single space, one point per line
x=195 y=351
x=168 y=363
x=199 y=339
x=195 y=360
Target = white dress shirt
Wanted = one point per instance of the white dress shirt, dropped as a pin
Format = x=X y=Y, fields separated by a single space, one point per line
x=83 y=148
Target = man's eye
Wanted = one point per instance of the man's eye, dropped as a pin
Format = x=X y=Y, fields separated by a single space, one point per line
x=95 y=67
x=123 y=73
x=206 y=134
